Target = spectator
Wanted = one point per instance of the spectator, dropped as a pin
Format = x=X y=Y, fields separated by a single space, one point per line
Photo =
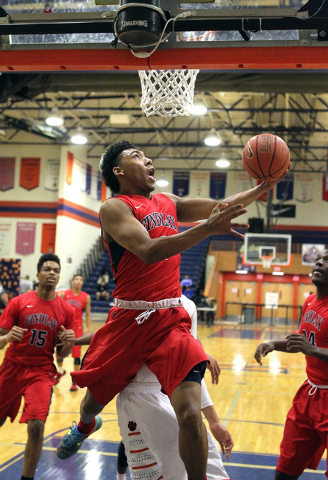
x=25 y=285
x=210 y=315
x=102 y=286
x=201 y=301
x=186 y=282
x=4 y=300
x=189 y=292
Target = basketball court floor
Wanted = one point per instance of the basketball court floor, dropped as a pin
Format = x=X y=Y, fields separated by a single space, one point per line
x=252 y=402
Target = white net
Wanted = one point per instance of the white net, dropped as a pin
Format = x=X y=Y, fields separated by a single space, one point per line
x=168 y=93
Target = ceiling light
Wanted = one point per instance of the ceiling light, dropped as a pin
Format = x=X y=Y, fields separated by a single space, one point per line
x=79 y=138
x=241 y=272
x=54 y=119
x=278 y=273
x=198 y=109
x=213 y=139
x=222 y=163
x=162 y=182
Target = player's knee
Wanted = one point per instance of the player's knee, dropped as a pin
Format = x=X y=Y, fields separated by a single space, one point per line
x=77 y=361
x=35 y=429
x=189 y=417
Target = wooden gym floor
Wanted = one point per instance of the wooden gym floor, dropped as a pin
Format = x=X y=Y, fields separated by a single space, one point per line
x=252 y=402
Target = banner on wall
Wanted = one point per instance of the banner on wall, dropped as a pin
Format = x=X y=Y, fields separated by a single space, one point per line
x=9 y=273
x=51 y=180
x=94 y=184
x=218 y=182
x=245 y=181
x=88 y=179
x=200 y=183
x=29 y=173
x=83 y=176
x=25 y=237
x=181 y=183
x=7 y=173
x=48 y=238
x=69 y=168
x=324 y=188
x=304 y=187
x=5 y=234
x=285 y=188
x=310 y=252
x=99 y=184
x=103 y=193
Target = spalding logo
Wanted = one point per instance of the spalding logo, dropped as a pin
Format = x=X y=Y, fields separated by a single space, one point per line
x=250 y=151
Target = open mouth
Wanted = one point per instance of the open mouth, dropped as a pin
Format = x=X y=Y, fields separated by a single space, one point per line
x=151 y=174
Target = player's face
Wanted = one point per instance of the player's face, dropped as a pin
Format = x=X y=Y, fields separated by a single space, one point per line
x=49 y=274
x=138 y=169
x=77 y=282
x=320 y=269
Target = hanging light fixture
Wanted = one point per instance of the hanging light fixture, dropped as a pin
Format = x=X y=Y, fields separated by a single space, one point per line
x=78 y=137
x=213 y=139
x=54 y=119
x=198 y=109
x=162 y=182
x=222 y=163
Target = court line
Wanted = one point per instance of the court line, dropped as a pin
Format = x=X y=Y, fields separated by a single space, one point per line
x=234 y=402
x=264 y=467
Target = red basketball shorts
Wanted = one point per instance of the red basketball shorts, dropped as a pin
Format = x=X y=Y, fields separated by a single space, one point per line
x=78 y=330
x=34 y=383
x=306 y=432
x=122 y=345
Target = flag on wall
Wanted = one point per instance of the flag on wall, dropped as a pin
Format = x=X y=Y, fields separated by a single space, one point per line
x=69 y=168
x=103 y=193
x=5 y=234
x=29 y=173
x=99 y=183
x=181 y=183
x=218 y=182
x=25 y=237
x=48 y=238
x=324 y=187
x=7 y=173
x=304 y=187
x=285 y=188
x=51 y=180
x=88 y=179
x=200 y=183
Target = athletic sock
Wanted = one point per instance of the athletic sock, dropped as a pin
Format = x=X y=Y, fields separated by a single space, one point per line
x=86 y=428
x=26 y=478
x=120 y=476
x=60 y=370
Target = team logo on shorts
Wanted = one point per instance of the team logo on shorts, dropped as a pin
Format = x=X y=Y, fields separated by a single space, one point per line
x=132 y=426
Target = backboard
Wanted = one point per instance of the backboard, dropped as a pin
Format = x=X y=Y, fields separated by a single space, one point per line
x=267 y=249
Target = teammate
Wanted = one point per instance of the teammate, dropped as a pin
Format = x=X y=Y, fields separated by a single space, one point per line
x=306 y=430
x=147 y=322
x=143 y=410
x=33 y=323
x=80 y=301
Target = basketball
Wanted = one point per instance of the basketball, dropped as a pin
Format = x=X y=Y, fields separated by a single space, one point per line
x=266 y=157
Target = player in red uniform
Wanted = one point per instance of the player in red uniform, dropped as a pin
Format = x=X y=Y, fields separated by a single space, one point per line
x=148 y=322
x=80 y=301
x=306 y=430
x=33 y=323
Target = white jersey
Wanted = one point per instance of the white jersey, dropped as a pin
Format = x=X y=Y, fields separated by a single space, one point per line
x=150 y=431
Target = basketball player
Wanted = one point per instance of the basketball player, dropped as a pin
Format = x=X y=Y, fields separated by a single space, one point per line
x=80 y=301
x=144 y=410
x=33 y=323
x=306 y=430
x=148 y=323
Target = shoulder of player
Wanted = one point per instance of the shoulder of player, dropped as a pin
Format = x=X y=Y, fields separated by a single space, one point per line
x=113 y=206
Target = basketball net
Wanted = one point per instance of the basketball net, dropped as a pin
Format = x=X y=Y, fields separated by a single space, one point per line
x=168 y=93
x=266 y=261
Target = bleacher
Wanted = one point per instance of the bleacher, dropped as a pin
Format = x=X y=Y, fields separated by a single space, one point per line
x=192 y=264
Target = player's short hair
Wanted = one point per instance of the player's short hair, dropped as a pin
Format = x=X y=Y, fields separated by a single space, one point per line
x=110 y=159
x=47 y=257
x=77 y=275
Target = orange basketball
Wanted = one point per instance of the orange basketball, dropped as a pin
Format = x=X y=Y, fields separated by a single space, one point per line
x=266 y=157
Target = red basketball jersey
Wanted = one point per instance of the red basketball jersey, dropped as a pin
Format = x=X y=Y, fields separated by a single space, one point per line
x=134 y=279
x=43 y=319
x=77 y=302
x=314 y=325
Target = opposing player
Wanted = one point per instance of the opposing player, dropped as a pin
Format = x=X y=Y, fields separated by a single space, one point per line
x=80 y=301
x=148 y=323
x=33 y=323
x=306 y=430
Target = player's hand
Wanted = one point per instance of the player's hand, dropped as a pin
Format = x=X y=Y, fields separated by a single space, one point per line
x=220 y=219
x=67 y=337
x=213 y=367
x=222 y=435
x=296 y=342
x=262 y=350
x=16 y=334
